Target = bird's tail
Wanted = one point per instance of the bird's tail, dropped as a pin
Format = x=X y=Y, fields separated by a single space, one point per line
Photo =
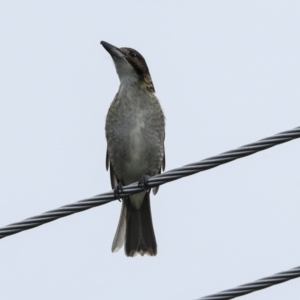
x=135 y=229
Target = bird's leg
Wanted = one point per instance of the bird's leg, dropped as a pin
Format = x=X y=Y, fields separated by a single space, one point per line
x=144 y=183
x=118 y=189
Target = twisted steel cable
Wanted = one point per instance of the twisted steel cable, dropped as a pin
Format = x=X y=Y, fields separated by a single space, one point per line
x=255 y=286
x=160 y=179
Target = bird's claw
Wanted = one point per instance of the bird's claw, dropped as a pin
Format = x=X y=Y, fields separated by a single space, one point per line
x=144 y=183
x=117 y=190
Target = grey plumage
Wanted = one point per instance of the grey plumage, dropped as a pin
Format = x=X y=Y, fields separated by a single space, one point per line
x=135 y=133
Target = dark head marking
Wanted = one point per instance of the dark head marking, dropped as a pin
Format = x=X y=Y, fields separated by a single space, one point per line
x=139 y=64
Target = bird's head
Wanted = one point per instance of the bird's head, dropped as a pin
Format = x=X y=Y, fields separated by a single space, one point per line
x=131 y=67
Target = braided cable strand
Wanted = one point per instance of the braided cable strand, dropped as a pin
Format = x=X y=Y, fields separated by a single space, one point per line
x=255 y=286
x=225 y=157
x=160 y=179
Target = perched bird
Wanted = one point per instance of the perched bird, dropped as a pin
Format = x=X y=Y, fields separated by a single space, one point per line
x=135 y=133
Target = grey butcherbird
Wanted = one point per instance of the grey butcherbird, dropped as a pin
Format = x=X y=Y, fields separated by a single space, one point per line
x=135 y=133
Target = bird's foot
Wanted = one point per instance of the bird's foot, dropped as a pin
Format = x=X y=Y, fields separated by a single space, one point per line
x=117 y=190
x=144 y=183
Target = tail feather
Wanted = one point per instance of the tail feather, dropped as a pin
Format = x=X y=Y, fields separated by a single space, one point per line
x=137 y=232
x=119 y=238
x=140 y=237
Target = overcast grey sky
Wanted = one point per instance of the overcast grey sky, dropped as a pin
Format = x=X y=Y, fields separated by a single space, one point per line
x=227 y=73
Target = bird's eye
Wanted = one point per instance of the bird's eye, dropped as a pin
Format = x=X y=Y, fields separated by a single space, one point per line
x=132 y=54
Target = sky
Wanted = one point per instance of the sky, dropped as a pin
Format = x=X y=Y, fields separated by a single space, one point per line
x=227 y=74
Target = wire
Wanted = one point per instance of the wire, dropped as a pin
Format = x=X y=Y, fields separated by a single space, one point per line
x=255 y=286
x=156 y=180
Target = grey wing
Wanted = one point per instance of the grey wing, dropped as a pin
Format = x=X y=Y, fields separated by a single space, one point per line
x=119 y=238
x=113 y=178
x=162 y=168
x=163 y=165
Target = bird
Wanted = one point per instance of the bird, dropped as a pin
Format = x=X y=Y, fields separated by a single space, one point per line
x=135 y=134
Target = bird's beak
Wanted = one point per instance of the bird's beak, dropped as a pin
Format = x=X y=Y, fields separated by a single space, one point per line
x=112 y=50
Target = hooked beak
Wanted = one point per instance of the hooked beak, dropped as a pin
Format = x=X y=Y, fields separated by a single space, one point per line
x=112 y=50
